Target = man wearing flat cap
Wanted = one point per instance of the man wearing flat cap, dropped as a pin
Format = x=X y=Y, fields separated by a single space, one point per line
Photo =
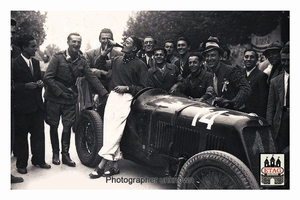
x=272 y=53
x=278 y=109
x=230 y=86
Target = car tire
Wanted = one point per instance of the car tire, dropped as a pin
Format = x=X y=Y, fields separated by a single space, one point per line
x=215 y=170
x=89 y=137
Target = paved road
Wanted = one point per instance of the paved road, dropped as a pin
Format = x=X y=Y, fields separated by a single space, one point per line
x=63 y=177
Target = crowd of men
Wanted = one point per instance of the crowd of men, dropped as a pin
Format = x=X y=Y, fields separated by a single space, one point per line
x=206 y=75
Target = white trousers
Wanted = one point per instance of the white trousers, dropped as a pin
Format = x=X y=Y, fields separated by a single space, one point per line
x=115 y=115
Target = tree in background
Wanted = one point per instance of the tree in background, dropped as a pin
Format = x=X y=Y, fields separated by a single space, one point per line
x=30 y=22
x=233 y=28
x=49 y=50
x=87 y=47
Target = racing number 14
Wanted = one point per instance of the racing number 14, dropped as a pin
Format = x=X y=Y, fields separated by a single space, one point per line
x=208 y=118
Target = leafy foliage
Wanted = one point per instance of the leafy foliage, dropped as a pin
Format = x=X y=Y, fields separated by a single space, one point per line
x=30 y=22
x=231 y=27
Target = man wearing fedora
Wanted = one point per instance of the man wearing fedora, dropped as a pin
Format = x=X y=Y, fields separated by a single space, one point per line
x=230 y=86
x=272 y=53
x=279 y=102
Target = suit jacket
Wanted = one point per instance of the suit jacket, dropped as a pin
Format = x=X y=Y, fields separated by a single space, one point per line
x=183 y=65
x=164 y=81
x=275 y=71
x=92 y=55
x=232 y=85
x=275 y=102
x=257 y=101
x=198 y=85
x=150 y=64
x=24 y=100
x=15 y=51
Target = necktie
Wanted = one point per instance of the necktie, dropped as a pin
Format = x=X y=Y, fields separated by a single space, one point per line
x=288 y=94
x=215 y=82
x=31 y=67
x=150 y=62
x=181 y=69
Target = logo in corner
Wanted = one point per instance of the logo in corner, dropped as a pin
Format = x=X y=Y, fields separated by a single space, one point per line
x=272 y=169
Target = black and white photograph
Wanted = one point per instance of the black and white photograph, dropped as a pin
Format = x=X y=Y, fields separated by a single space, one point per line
x=149 y=99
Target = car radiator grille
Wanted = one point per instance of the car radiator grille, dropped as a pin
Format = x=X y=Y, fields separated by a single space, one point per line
x=163 y=135
x=214 y=142
x=185 y=140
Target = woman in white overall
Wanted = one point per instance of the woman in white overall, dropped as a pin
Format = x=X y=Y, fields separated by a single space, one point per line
x=129 y=75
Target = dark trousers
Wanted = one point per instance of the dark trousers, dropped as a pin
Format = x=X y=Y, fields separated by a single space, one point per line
x=32 y=123
x=68 y=116
x=283 y=138
x=12 y=131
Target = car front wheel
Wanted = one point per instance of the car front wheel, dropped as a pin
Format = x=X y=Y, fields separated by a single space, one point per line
x=215 y=170
x=89 y=137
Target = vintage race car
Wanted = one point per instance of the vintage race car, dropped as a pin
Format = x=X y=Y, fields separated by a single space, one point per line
x=204 y=147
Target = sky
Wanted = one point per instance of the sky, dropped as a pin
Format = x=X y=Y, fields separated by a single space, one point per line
x=87 y=23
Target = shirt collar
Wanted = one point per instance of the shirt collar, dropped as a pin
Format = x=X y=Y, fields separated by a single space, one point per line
x=68 y=57
x=286 y=75
x=249 y=72
x=26 y=59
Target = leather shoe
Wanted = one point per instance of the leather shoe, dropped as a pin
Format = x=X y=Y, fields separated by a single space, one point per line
x=55 y=159
x=14 y=179
x=111 y=171
x=22 y=170
x=97 y=173
x=44 y=166
x=67 y=160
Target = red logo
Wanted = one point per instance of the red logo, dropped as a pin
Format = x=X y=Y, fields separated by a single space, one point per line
x=272 y=170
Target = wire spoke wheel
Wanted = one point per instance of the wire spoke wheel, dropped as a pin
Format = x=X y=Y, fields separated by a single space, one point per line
x=89 y=138
x=215 y=170
x=212 y=178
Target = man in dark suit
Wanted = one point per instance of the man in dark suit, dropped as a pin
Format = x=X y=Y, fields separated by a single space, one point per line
x=28 y=106
x=148 y=47
x=94 y=54
x=230 y=86
x=278 y=109
x=183 y=48
x=257 y=102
